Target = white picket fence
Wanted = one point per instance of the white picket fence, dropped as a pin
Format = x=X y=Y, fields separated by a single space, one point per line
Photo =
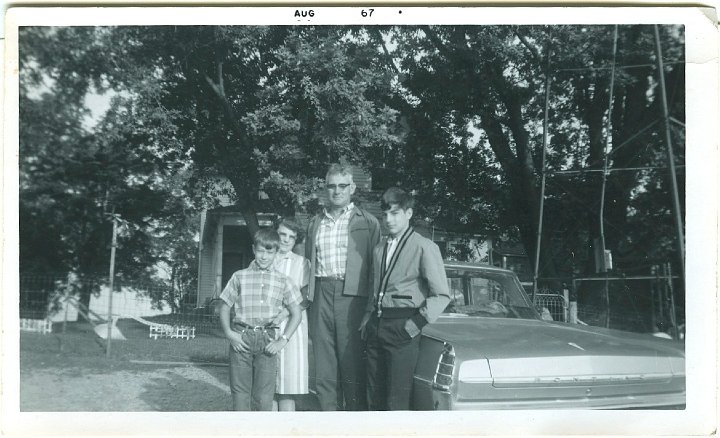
x=43 y=326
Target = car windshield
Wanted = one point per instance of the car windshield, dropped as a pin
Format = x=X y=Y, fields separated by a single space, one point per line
x=487 y=293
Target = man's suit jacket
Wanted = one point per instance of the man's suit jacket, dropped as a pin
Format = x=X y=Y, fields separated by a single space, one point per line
x=363 y=235
x=414 y=278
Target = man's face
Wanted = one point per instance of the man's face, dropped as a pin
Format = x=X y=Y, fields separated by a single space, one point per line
x=339 y=188
x=287 y=238
x=397 y=219
x=264 y=257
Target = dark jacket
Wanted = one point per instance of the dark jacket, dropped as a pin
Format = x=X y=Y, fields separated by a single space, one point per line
x=415 y=277
x=363 y=235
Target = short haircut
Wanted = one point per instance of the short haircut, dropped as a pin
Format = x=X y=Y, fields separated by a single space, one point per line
x=292 y=225
x=340 y=169
x=396 y=196
x=266 y=238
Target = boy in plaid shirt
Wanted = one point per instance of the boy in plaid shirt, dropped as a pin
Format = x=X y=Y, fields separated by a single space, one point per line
x=257 y=293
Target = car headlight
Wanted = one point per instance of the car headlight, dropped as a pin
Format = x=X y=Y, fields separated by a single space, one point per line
x=475 y=371
x=445 y=368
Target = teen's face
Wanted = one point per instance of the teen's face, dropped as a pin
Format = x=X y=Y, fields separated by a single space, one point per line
x=397 y=219
x=287 y=239
x=264 y=257
x=339 y=188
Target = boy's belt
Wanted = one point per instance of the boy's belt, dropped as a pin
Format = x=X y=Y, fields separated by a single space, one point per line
x=256 y=328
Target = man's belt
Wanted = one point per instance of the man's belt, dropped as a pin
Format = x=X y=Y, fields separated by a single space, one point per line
x=331 y=277
x=256 y=328
x=397 y=312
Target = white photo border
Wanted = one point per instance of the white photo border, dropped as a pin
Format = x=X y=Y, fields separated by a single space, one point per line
x=701 y=235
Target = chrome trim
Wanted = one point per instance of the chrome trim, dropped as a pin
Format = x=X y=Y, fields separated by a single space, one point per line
x=484 y=380
x=610 y=379
x=442 y=380
x=434 y=338
x=657 y=401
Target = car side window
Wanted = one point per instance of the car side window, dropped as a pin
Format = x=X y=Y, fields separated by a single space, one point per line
x=458 y=295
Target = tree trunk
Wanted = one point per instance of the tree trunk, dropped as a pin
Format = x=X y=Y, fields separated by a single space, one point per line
x=524 y=193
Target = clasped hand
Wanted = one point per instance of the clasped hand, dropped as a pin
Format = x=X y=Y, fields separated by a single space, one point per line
x=275 y=346
x=363 y=325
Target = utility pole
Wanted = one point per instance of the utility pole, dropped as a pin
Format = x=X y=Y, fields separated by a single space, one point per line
x=608 y=137
x=111 y=281
x=670 y=154
x=542 y=181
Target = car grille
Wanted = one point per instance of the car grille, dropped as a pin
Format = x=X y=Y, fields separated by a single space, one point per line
x=443 y=379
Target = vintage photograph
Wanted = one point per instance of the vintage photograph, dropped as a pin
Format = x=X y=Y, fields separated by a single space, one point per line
x=353 y=217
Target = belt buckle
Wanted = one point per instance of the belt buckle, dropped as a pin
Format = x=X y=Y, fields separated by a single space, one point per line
x=257 y=328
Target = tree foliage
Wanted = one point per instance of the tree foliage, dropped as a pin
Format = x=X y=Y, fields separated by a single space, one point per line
x=454 y=113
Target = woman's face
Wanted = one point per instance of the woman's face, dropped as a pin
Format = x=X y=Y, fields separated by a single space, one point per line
x=287 y=238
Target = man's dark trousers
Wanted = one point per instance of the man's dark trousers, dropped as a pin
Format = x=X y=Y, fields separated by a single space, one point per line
x=391 y=358
x=253 y=373
x=337 y=347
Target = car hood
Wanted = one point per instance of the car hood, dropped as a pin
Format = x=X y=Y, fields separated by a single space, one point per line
x=517 y=348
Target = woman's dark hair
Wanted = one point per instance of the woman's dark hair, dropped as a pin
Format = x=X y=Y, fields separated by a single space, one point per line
x=292 y=225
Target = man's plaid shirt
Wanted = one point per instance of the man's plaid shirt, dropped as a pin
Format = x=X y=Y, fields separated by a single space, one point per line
x=331 y=244
x=259 y=294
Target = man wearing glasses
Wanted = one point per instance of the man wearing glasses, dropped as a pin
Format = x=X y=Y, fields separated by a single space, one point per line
x=339 y=246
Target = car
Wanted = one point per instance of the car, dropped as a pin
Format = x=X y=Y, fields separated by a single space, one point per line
x=491 y=349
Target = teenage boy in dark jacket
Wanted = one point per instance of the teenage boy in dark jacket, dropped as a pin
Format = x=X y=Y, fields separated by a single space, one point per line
x=410 y=291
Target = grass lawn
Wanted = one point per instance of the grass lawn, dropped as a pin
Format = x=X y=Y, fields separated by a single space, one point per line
x=70 y=371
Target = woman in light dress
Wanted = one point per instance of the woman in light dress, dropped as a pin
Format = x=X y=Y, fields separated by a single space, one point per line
x=292 y=377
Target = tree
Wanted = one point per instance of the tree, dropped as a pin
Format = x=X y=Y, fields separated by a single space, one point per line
x=72 y=174
x=487 y=82
x=257 y=106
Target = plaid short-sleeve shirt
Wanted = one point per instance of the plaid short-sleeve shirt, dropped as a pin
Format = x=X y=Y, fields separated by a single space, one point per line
x=331 y=243
x=259 y=294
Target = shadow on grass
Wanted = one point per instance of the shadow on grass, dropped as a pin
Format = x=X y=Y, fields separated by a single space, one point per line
x=176 y=393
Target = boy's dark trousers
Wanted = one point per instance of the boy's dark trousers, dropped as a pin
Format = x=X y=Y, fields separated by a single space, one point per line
x=252 y=374
x=391 y=358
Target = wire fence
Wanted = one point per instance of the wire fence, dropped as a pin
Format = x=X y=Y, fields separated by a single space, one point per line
x=552 y=306
x=61 y=298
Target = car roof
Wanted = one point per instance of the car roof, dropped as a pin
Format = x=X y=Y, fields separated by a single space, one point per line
x=474 y=266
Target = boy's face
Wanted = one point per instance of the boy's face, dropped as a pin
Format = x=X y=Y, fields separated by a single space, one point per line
x=339 y=188
x=287 y=238
x=397 y=219
x=264 y=257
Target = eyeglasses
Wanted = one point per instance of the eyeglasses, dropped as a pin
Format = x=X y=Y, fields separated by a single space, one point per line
x=336 y=186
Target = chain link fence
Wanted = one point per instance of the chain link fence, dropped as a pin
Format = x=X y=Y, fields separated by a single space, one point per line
x=150 y=312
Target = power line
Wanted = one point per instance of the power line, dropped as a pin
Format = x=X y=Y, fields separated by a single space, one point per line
x=626 y=142
x=618 y=66
x=609 y=170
